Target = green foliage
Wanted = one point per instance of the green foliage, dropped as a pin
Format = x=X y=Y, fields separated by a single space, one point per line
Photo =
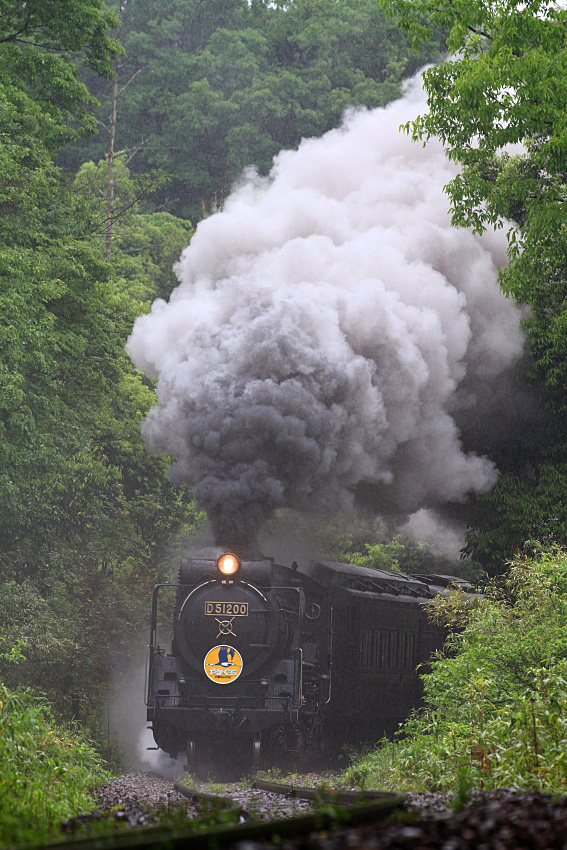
x=30 y=636
x=380 y=556
x=216 y=788
x=390 y=551
x=39 y=41
x=522 y=513
x=496 y=698
x=46 y=770
x=73 y=465
x=454 y=608
x=223 y=85
x=145 y=245
x=149 y=244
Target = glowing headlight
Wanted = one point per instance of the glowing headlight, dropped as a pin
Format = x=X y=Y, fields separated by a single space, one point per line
x=228 y=564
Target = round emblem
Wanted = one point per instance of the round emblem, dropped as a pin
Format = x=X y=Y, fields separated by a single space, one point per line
x=223 y=664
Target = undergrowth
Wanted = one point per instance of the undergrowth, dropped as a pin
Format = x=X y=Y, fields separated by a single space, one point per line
x=496 y=700
x=46 y=771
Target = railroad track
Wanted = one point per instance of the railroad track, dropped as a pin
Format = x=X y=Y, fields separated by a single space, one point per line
x=340 y=807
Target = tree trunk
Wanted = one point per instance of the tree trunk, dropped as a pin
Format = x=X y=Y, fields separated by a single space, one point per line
x=111 y=148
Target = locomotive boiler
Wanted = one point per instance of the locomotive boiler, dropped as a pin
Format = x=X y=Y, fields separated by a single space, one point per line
x=269 y=662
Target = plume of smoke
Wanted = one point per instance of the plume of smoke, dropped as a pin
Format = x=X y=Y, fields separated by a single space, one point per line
x=444 y=536
x=329 y=330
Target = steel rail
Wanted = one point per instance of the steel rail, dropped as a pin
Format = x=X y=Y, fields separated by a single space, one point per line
x=323 y=793
x=213 y=801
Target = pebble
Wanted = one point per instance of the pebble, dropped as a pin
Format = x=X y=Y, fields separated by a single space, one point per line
x=137 y=799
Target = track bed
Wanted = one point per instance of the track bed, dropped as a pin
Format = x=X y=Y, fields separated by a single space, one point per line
x=499 y=820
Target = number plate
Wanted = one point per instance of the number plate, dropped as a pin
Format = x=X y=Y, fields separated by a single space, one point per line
x=227 y=609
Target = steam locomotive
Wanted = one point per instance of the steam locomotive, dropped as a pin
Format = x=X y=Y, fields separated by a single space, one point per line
x=268 y=662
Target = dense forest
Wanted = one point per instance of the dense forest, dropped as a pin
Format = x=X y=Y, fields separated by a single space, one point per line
x=121 y=126
x=204 y=91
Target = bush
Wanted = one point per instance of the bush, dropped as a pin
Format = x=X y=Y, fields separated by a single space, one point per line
x=45 y=771
x=496 y=700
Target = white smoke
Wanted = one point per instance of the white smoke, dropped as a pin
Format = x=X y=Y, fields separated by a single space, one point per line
x=329 y=328
x=443 y=536
x=129 y=734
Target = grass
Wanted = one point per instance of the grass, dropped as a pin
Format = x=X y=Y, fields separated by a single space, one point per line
x=46 y=770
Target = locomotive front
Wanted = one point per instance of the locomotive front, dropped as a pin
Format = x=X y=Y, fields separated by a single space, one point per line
x=232 y=683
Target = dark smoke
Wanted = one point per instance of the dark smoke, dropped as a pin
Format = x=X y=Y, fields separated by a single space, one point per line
x=329 y=331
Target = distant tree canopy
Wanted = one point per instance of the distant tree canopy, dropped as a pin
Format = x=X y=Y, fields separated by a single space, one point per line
x=217 y=85
x=507 y=85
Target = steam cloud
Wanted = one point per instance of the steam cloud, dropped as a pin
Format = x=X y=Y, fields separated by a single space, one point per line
x=329 y=331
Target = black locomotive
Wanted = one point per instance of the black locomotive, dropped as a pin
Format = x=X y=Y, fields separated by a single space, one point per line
x=268 y=661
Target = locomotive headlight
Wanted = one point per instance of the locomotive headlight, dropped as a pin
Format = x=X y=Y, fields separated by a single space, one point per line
x=228 y=564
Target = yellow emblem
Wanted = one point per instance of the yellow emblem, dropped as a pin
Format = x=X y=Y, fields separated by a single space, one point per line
x=223 y=664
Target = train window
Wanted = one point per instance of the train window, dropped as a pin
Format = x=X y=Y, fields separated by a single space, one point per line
x=387 y=649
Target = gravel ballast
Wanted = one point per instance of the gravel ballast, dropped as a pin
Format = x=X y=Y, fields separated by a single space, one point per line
x=137 y=799
x=496 y=820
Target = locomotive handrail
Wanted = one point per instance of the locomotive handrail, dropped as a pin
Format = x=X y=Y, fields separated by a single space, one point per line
x=153 y=629
x=328 y=700
x=300 y=689
x=213 y=702
x=153 y=620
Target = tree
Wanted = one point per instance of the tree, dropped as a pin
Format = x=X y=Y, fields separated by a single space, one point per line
x=147 y=245
x=499 y=106
x=39 y=39
x=224 y=85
